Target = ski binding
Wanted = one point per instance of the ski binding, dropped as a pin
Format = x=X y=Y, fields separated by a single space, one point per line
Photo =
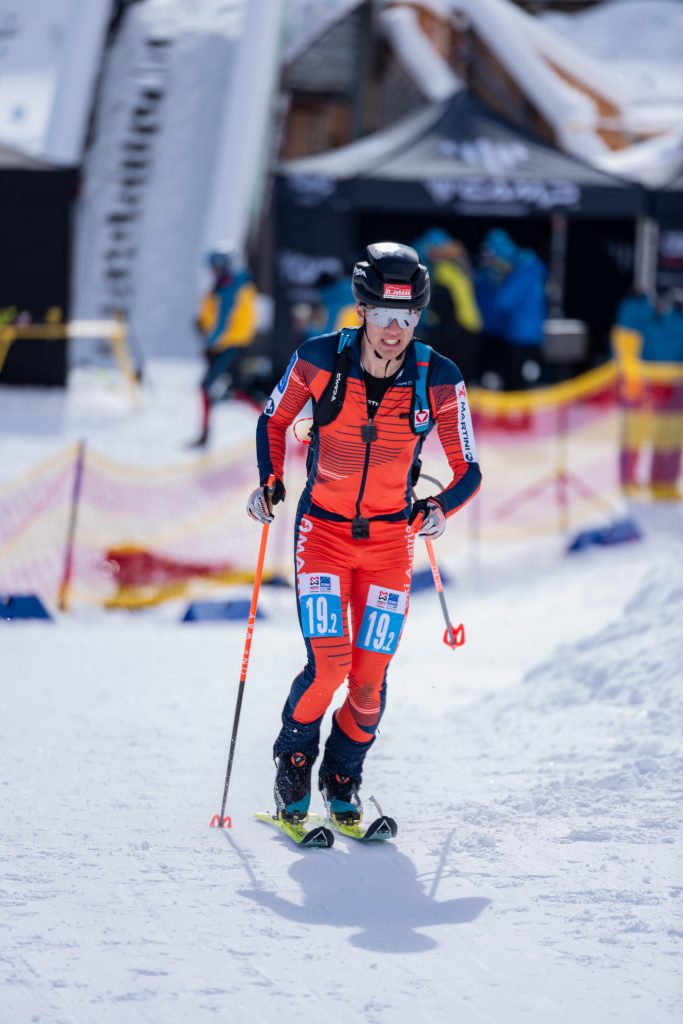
x=307 y=831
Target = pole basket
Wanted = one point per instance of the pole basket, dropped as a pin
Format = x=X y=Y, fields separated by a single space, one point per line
x=458 y=634
x=218 y=822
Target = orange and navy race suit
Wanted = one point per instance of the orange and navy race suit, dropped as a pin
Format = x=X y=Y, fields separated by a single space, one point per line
x=357 y=475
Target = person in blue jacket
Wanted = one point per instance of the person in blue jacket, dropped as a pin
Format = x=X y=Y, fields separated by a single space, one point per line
x=510 y=288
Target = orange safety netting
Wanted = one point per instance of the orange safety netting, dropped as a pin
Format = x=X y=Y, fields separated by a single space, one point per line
x=553 y=459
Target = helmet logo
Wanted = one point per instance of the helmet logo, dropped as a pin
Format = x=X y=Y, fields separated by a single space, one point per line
x=397 y=291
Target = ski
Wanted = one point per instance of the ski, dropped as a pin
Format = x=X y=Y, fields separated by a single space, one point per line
x=311 y=831
x=379 y=830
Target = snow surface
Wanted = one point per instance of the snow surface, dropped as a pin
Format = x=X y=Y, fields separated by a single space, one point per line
x=535 y=774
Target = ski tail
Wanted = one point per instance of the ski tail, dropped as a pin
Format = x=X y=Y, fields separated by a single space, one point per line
x=379 y=830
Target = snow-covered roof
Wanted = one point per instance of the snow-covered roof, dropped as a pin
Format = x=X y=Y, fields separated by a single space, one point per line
x=641 y=40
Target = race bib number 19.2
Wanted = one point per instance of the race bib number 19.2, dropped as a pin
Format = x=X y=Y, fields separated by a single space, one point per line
x=320 y=599
x=381 y=626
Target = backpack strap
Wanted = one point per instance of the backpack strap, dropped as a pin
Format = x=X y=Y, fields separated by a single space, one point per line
x=330 y=402
x=421 y=421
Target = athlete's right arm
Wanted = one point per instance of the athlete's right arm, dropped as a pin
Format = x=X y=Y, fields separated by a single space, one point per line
x=286 y=402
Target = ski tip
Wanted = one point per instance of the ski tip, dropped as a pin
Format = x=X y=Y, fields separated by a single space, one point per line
x=381 y=828
x=321 y=836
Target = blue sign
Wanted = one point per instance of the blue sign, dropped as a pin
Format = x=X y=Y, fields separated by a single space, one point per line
x=382 y=622
x=320 y=604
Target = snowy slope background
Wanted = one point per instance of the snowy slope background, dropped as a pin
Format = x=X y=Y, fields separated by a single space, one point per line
x=535 y=774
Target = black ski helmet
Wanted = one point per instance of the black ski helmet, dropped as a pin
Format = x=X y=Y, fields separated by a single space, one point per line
x=391 y=275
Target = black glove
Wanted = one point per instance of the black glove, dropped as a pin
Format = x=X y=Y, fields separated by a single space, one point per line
x=433 y=519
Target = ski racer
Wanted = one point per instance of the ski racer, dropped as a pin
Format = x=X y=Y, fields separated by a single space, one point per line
x=376 y=393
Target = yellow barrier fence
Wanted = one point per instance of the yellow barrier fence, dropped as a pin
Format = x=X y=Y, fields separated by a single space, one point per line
x=114 y=331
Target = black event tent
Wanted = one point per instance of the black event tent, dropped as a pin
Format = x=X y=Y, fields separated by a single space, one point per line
x=459 y=158
x=36 y=211
x=666 y=208
x=667 y=204
x=458 y=165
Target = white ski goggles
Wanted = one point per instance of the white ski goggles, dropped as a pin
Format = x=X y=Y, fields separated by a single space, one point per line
x=382 y=316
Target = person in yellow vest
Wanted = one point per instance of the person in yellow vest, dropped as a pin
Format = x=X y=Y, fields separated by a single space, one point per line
x=452 y=325
x=227 y=320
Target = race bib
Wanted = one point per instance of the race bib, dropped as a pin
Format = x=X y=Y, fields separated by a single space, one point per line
x=320 y=603
x=382 y=621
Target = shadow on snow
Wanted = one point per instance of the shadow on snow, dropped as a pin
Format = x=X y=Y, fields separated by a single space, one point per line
x=374 y=889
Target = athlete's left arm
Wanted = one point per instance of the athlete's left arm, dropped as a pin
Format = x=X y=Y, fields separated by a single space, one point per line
x=454 y=424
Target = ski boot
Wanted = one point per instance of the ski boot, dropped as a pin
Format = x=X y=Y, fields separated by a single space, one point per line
x=340 y=793
x=293 y=786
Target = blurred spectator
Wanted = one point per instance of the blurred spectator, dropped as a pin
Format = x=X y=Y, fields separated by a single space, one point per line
x=510 y=289
x=452 y=322
x=633 y=314
x=227 y=320
x=336 y=308
x=653 y=407
x=634 y=311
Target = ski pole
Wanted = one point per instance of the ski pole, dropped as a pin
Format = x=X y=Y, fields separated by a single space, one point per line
x=219 y=821
x=454 y=636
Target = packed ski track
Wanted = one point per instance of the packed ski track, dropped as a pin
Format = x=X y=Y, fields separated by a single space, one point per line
x=535 y=775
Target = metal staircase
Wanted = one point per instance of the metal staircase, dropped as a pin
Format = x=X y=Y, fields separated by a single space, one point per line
x=134 y=157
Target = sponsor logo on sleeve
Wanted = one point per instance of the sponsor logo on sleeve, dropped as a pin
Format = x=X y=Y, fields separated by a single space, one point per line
x=280 y=388
x=465 y=424
x=282 y=383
